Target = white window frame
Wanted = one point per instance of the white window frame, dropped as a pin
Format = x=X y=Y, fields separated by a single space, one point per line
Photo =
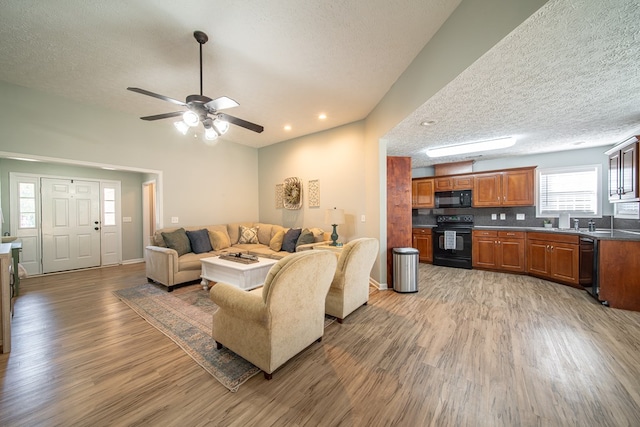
x=572 y=169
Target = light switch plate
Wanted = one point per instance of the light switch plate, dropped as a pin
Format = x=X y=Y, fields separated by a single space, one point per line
x=362 y=218
x=126 y=219
x=519 y=217
x=503 y=216
x=174 y=220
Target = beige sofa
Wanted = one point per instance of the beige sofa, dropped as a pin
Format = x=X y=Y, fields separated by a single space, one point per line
x=164 y=266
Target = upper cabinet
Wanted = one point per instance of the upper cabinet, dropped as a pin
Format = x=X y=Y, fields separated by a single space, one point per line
x=422 y=193
x=623 y=171
x=450 y=183
x=513 y=187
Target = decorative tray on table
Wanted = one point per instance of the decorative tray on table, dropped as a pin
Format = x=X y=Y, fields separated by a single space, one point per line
x=238 y=257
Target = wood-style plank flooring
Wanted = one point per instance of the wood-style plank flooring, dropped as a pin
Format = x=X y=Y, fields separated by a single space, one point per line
x=471 y=348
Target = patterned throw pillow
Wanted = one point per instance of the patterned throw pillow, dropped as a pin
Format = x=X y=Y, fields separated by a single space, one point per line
x=178 y=241
x=248 y=235
x=199 y=241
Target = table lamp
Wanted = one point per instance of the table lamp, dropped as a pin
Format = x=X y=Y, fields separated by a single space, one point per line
x=334 y=217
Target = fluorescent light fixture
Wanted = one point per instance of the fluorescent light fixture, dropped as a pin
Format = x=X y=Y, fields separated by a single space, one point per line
x=471 y=147
x=182 y=127
x=190 y=118
x=24 y=159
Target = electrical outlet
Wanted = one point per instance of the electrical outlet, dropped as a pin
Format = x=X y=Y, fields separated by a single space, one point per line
x=503 y=216
x=174 y=220
x=519 y=217
x=494 y=217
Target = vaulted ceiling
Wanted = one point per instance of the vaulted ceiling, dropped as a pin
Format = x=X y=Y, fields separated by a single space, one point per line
x=567 y=78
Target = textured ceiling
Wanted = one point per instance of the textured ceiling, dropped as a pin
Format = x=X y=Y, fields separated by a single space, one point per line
x=566 y=78
x=284 y=61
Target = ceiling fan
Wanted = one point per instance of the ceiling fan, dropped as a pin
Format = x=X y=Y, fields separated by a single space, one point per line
x=200 y=108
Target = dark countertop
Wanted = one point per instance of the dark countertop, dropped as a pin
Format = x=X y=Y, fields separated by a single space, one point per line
x=599 y=234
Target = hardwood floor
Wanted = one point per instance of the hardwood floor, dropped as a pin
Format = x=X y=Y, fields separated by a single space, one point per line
x=470 y=348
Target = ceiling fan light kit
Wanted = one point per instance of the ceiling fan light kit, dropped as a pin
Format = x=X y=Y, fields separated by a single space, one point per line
x=199 y=107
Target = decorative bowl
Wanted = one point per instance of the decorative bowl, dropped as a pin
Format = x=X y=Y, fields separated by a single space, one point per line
x=8 y=239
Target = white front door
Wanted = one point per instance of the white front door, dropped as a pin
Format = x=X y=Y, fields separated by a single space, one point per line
x=70 y=224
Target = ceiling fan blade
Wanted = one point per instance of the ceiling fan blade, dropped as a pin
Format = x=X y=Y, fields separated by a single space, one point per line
x=221 y=103
x=163 y=116
x=155 y=95
x=242 y=123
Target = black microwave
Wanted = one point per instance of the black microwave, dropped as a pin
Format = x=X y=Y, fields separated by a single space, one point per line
x=453 y=199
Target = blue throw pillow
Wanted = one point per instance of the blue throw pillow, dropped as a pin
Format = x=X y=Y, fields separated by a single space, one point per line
x=199 y=240
x=290 y=239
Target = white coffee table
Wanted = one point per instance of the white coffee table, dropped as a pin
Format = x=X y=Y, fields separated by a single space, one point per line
x=244 y=276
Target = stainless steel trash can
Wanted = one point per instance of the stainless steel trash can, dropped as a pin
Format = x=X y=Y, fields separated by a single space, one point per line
x=405 y=269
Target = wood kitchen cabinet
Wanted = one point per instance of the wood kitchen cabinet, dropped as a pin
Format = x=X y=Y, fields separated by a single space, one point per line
x=422 y=193
x=618 y=266
x=554 y=256
x=450 y=183
x=512 y=187
x=499 y=250
x=623 y=171
x=423 y=242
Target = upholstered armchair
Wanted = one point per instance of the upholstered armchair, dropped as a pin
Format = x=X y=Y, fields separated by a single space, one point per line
x=270 y=327
x=350 y=287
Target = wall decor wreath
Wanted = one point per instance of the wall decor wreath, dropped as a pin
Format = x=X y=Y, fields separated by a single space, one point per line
x=292 y=193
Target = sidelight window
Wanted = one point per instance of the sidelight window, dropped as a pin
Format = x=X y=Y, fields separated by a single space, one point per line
x=575 y=190
x=27 y=204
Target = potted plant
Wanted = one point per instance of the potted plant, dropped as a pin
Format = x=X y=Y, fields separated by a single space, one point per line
x=547 y=223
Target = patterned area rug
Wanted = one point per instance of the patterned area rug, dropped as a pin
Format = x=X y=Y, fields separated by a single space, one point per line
x=184 y=316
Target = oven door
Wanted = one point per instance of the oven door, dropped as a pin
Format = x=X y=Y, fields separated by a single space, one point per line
x=459 y=257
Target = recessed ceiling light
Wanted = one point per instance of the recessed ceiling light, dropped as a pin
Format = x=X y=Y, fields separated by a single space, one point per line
x=428 y=123
x=287 y=127
x=322 y=116
x=472 y=147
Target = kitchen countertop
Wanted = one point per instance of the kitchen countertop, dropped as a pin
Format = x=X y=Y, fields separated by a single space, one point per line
x=599 y=234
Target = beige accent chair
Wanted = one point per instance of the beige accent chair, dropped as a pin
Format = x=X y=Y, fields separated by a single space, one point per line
x=350 y=287
x=268 y=328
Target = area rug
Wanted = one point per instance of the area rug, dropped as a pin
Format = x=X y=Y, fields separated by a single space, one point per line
x=184 y=316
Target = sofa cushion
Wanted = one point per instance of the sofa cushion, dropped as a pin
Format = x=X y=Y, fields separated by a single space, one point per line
x=248 y=235
x=219 y=239
x=191 y=261
x=290 y=239
x=178 y=241
x=264 y=233
x=276 y=241
x=199 y=241
x=306 y=237
x=318 y=234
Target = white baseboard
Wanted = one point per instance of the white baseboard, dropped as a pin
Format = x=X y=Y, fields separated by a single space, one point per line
x=375 y=284
x=132 y=261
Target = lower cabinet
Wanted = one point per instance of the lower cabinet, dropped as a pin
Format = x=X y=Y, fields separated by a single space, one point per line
x=499 y=250
x=554 y=257
x=422 y=241
x=618 y=264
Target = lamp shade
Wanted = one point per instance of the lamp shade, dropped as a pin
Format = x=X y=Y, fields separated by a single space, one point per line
x=334 y=216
